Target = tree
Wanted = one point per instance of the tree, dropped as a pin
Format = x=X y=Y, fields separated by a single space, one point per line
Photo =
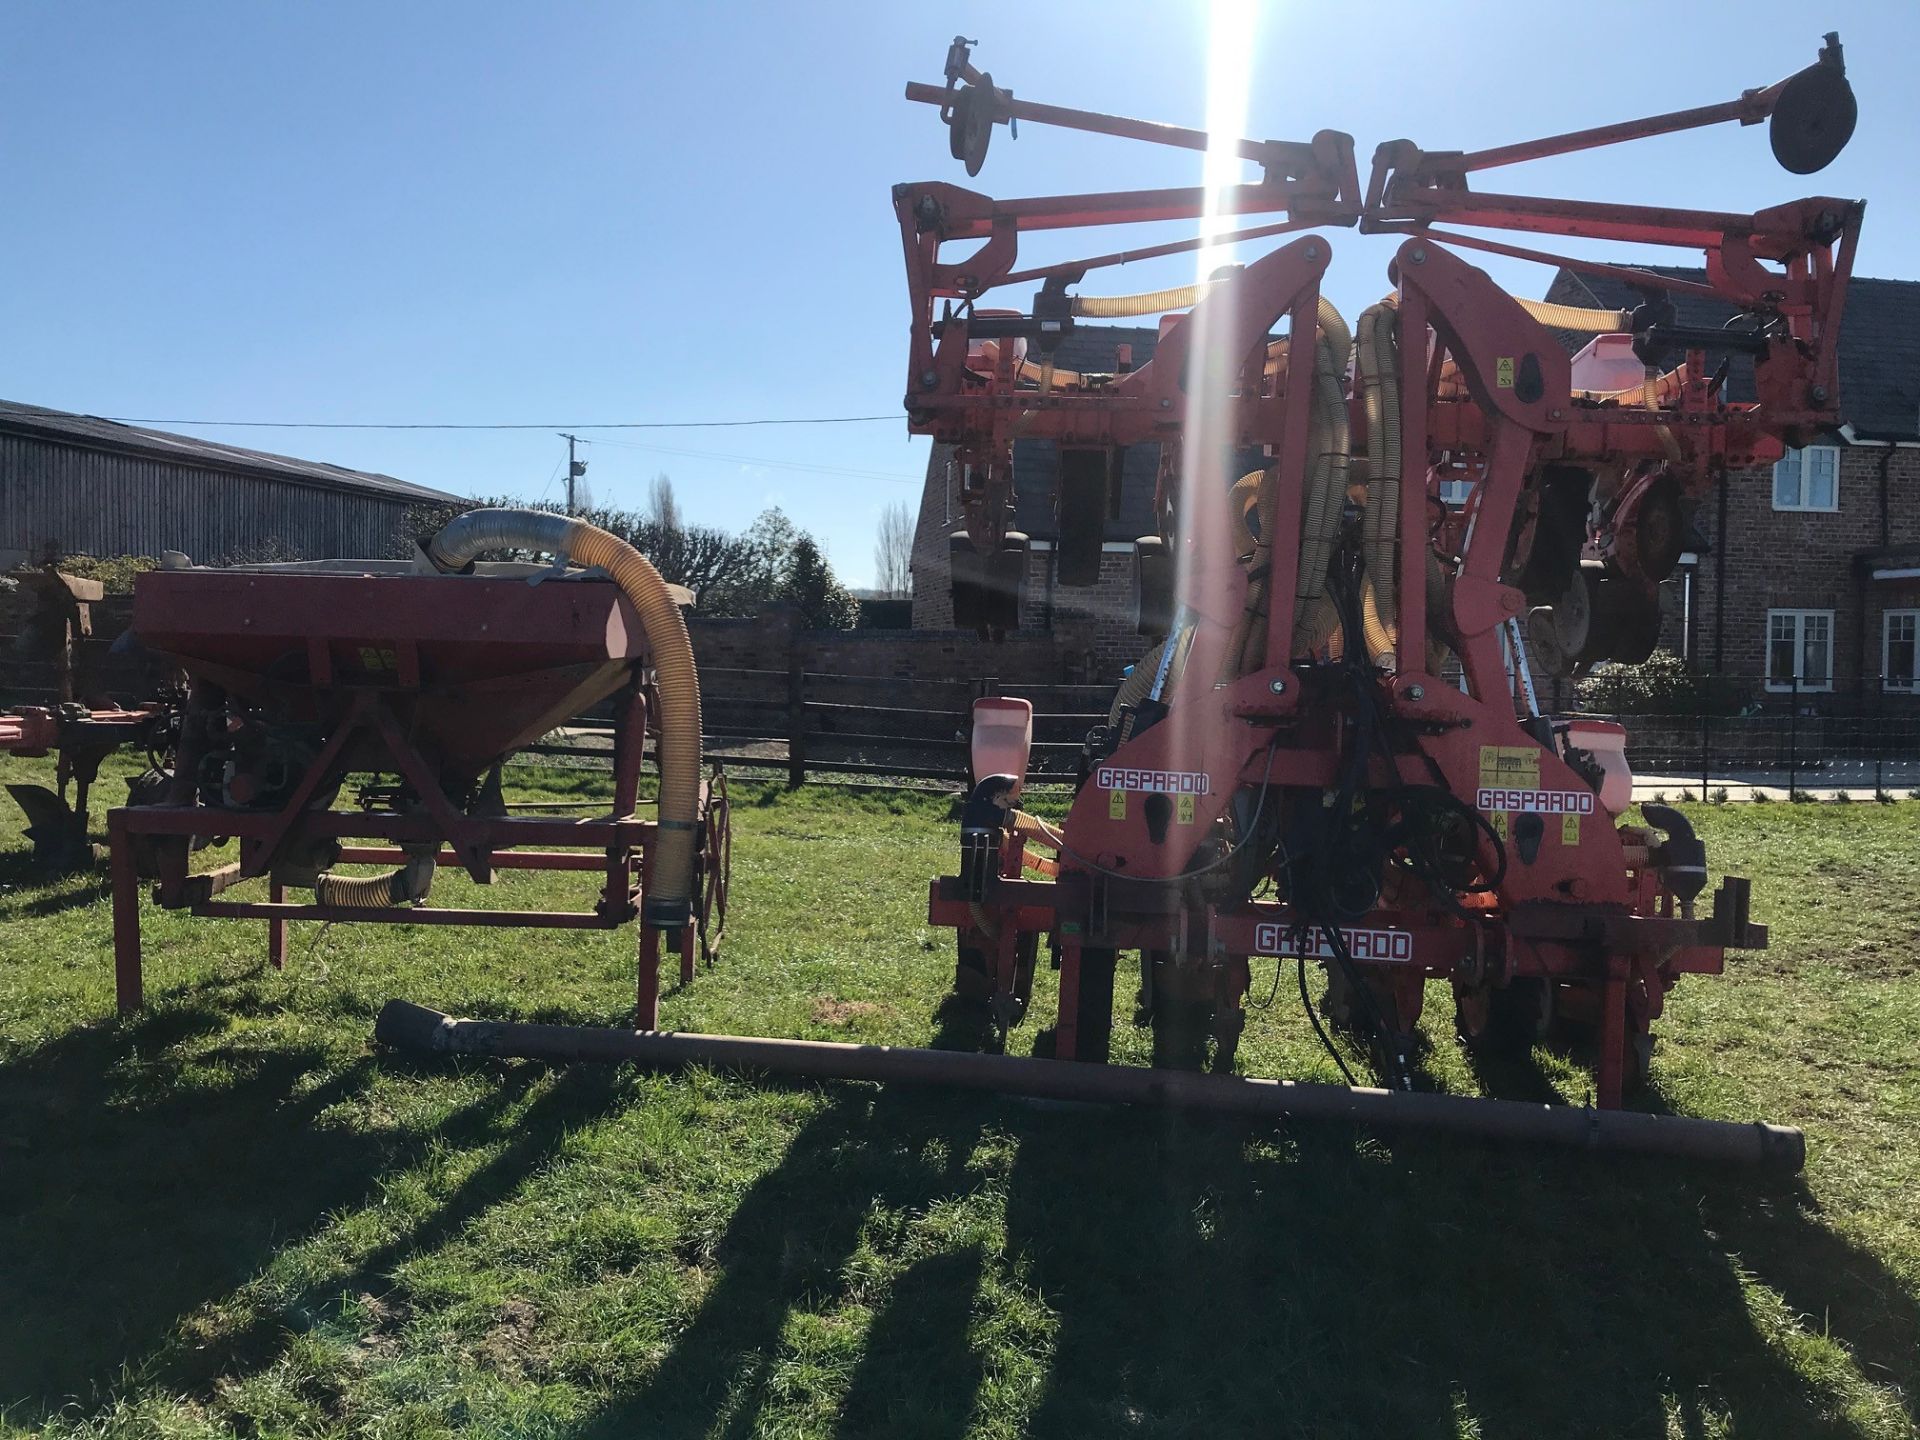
x=893 y=552
x=759 y=569
x=730 y=575
x=663 y=511
x=810 y=587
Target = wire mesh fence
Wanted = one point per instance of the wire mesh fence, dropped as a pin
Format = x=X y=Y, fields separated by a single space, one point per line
x=1717 y=737
x=1747 y=734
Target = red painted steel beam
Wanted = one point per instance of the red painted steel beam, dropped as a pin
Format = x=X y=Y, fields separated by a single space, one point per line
x=1284 y=154
x=408 y=915
x=1750 y=109
x=31 y=732
x=1072 y=268
x=500 y=859
x=339 y=824
x=976 y=220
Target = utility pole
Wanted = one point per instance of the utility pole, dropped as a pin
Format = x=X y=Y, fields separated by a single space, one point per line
x=575 y=468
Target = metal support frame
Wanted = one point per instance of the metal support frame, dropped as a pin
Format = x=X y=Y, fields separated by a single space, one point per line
x=618 y=847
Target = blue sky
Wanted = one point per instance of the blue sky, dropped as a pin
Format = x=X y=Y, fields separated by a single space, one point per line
x=589 y=212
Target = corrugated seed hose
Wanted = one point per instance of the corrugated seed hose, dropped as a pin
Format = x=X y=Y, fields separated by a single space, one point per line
x=1380 y=379
x=1330 y=442
x=667 y=903
x=1573 y=317
x=1148 y=302
x=375 y=892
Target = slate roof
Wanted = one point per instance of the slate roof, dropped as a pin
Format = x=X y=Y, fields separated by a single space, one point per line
x=1879 y=343
x=93 y=433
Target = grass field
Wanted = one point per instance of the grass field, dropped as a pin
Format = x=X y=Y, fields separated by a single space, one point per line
x=232 y=1216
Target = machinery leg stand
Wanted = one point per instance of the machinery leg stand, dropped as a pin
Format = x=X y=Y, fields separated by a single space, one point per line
x=1610 y=1077
x=277 y=930
x=126 y=917
x=646 y=1013
x=1066 y=1032
x=686 y=954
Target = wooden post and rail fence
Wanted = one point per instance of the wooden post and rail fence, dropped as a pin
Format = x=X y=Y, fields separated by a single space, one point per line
x=809 y=724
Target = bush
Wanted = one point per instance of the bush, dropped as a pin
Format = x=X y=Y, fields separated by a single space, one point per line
x=811 y=588
x=1661 y=685
x=1759 y=797
x=1884 y=797
x=1843 y=797
x=1719 y=794
x=114 y=572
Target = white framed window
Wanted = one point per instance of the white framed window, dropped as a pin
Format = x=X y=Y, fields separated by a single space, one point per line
x=1799 y=650
x=1807 y=479
x=1899 y=648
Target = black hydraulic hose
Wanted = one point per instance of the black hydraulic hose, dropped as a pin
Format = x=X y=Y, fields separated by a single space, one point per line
x=1306 y=1004
x=1774 y=1147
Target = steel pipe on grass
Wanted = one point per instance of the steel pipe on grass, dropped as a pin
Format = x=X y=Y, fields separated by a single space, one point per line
x=1779 y=1148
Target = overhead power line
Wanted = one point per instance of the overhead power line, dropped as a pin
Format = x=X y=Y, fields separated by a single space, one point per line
x=516 y=425
x=764 y=462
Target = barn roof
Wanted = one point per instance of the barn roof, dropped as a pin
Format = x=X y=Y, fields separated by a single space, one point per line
x=93 y=433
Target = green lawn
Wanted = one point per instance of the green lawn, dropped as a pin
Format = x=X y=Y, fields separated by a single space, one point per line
x=232 y=1216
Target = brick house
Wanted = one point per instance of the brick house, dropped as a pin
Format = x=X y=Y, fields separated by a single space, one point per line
x=1810 y=574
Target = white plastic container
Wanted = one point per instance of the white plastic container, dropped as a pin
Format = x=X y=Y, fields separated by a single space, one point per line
x=1002 y=738
x=1607 y=743
x=1608 y=364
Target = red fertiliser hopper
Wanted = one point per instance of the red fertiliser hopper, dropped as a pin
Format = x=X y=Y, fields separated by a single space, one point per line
x=405 y=686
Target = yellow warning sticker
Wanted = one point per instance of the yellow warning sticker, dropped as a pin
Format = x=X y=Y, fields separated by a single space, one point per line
x=1498 y=819
x=1183 y=809
x=1503 y=372
x=1509 y=767
x=1116 y=804
x=1569 y=829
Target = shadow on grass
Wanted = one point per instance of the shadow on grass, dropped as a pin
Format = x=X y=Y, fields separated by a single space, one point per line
x=1213 y=1278
x=787 y=1244
x=1368 y=1286
x=28 y=890
x=151 y=1170
x=1201 y=1276
x=532 y=1137
x=131 y=1198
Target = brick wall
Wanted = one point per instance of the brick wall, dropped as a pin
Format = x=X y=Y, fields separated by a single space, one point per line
x=1793 y=559
x=773 y=639
x=939 y=517
x=1077 y=635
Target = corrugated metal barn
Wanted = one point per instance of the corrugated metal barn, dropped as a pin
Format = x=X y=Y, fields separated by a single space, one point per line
x=79 y=485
